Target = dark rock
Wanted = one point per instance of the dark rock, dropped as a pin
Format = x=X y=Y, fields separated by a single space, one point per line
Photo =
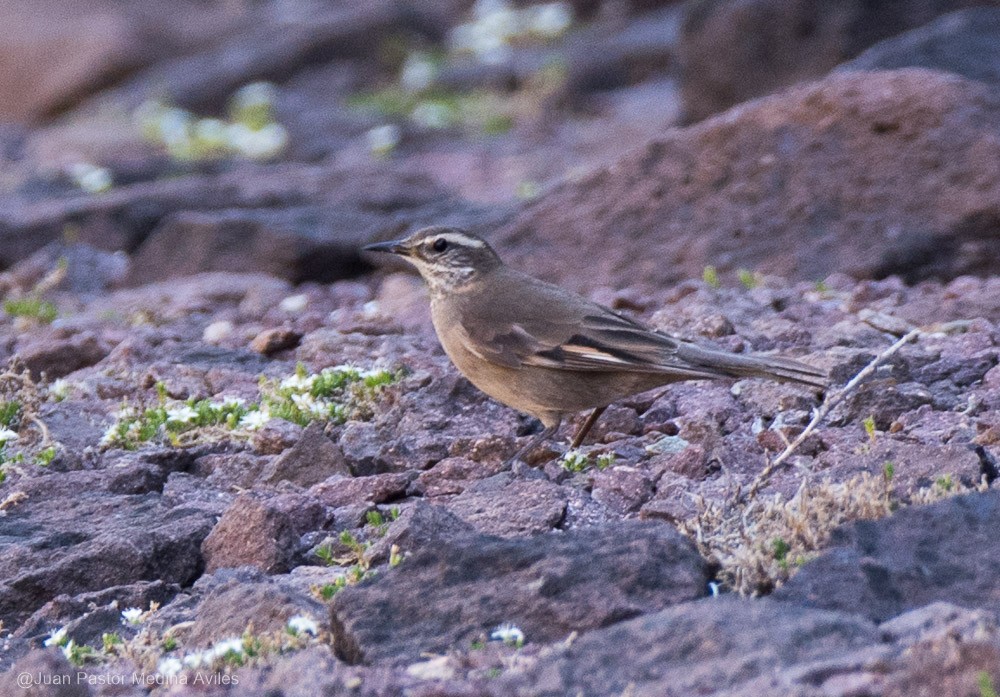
x=418 y=527
x=920 y=555
x=453 y=475
x=734 y=50
x=313 y=459
x=378 y=488
x=56 y=354
x=71 y=535
x=295 y=247
x=51 y=676
x=276 y=436
x=511 y=508
x=264 y=604
x=741 y=191
x=548 y=585
x=966 y=43
x=729 y=645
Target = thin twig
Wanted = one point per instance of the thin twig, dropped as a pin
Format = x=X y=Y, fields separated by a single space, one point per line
x=832 y=400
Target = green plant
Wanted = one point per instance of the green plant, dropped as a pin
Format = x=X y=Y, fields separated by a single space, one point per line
x=749 y=279
x=985 y=682
x=869 y=424
x=711 y=277
x=32 y=307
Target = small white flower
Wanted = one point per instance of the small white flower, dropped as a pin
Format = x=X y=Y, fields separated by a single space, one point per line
x=67 y=649
x=226 y=647
x=509 y=634
x=110 y=435
x=294 y=303
x=255 y=419
x=418 y=72
x=169 y=667
x=550 y=19
x=6 y=434
x=230 y=400
x=132 y=615
x=56 y=638
x=302 y=383
x=304 y=402
x=211 y=133
x=382 y=140
x=183 y=413
x=255 y=94
x=196 y=659
x=303 y=624
x=59 y=389
x=263 y=143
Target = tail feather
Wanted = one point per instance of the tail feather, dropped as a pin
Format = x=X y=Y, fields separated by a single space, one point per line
x=757 y=366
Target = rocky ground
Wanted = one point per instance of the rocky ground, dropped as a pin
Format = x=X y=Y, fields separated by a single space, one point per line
x=235 y=461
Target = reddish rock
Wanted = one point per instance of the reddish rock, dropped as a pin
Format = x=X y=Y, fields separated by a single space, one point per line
x=250 y=534
x=878 y=171
x=274 y=340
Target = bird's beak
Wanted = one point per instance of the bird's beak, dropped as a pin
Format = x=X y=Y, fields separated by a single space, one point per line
x=393 y=247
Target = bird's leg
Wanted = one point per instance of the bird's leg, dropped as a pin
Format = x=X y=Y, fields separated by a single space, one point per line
x=585 y=429
x=545 y=433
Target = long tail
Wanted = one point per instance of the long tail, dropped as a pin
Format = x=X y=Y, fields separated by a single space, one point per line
x=737 y=365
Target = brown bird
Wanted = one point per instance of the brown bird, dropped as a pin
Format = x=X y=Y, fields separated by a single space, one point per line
x=548 y=352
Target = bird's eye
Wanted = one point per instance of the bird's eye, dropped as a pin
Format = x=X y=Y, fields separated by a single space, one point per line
x=440 y=244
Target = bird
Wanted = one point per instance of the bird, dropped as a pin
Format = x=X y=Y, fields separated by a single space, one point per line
x=548 y=352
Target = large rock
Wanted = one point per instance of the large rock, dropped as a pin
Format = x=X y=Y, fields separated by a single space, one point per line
x=947 y=551
x=716 y=646
x=966 y=43
x=52 y=53
x=867 y=174
x=78 y=532
x=734 y=50
x=450 y=593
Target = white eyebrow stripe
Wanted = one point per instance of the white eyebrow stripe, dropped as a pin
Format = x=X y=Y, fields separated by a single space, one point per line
x=461 y=240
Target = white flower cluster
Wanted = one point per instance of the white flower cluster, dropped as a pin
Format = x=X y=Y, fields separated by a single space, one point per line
x=303 y=624
x=509 y=634
x=6 y=434
x=251 y=133
x=132 y=616
x=497 y=24
x=232 y=647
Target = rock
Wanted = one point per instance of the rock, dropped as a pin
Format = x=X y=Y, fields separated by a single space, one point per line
x=240 y=601
x=98 y=43
x=313 y=459
x=56 y=353
x=966 y=43
x=63 y=539
x=261 y=533
x=622 y=489
x=734 y=50
x=449 y=594
x=453 y=475
x=722 y=645
x=419 y=526
x=920 y=555
x=902 y=179
x=344 y=491
x=511 y=508
x=276 y=243
x=50 y=674
x=274 y=340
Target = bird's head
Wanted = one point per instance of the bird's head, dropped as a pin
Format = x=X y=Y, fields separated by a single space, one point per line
x=446 y=257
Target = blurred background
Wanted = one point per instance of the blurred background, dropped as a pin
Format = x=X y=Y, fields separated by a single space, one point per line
x=225 y=118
